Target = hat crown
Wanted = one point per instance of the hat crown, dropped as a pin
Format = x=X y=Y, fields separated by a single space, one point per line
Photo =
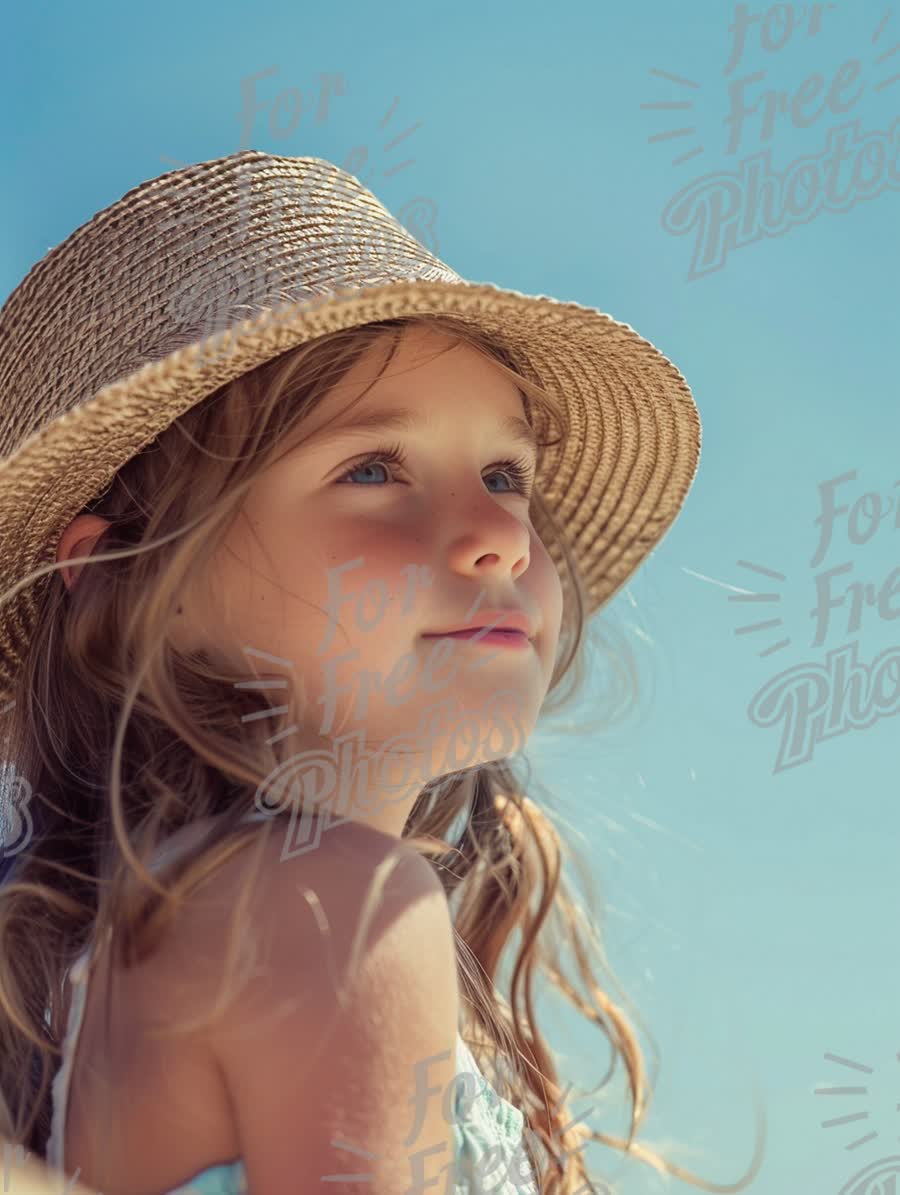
x=184 y=256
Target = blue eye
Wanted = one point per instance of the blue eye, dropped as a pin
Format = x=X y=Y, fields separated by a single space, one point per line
x=519 y=469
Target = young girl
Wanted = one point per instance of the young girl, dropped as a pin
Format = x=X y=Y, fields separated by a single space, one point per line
x=299 y=534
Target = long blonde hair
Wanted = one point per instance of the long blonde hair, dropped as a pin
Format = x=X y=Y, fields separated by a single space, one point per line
x=107 y=792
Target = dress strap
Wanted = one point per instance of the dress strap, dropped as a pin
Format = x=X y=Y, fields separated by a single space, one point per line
x=77 y=975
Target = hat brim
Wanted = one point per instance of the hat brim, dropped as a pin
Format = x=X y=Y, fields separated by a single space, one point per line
x=616 y=485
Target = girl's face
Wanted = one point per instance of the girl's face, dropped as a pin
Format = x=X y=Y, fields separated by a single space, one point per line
x=339 y=569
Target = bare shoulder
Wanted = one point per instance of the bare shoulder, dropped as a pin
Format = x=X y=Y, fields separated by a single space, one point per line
x=347 y=1019
x=302 y=915
x=358 y=891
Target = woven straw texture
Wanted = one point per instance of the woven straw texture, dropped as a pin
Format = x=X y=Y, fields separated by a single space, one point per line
x=203 y=273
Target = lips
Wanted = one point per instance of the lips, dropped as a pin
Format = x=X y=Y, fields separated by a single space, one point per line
x=472 y=632
x=491 y=622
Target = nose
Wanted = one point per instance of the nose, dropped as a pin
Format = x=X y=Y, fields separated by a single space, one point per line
x=488 y=534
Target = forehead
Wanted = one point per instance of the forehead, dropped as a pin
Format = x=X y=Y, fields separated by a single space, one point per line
x=421 y=420
x=428 y=378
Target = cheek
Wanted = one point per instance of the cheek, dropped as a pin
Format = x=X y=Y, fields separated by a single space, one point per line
x=548 y=586
x=545 y=572
x=381 y=543
x=372 y=582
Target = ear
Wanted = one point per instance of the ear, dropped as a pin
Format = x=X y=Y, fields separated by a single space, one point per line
x=78 y=539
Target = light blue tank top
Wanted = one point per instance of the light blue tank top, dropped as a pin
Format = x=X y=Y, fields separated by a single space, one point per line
x=488 y=1137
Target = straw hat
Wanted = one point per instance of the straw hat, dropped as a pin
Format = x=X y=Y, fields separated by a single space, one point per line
x=203 y=273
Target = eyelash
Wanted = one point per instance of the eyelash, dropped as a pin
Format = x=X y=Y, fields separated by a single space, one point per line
x=520 y=469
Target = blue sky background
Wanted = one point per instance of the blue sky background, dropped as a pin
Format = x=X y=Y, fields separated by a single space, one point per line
x=749 y=911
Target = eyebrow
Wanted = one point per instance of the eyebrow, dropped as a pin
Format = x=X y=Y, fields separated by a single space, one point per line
x=403 y=419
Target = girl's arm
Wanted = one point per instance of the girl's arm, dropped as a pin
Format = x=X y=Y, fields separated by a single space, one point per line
x=376 y=1098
